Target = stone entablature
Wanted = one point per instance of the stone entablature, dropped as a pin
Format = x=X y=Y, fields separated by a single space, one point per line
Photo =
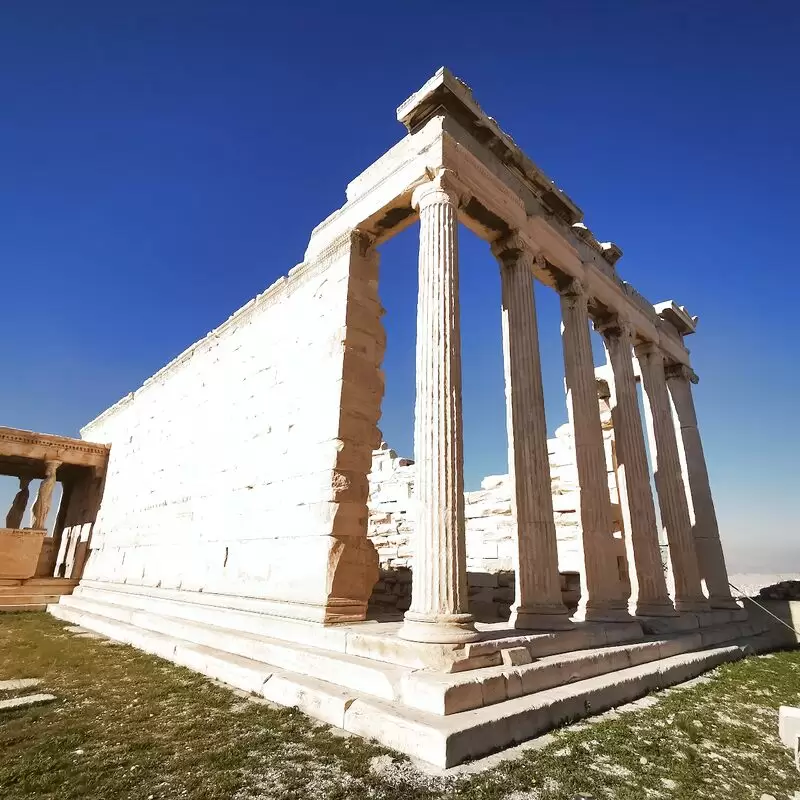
x=507 y=192
x=42 y=447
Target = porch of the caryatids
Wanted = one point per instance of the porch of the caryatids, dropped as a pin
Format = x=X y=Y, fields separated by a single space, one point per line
x=702 y=515
x=538 y=603
x=602 y=596
x=439 y=601
x=649 y=595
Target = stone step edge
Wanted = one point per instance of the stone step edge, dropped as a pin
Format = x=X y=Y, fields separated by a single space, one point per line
x=477 y=688
x=258 y=605
x=375 y=678
x=326 y=637
x=448 y=741
x=317 y=698
x=443 y=741
x=445 y=694
x=15 y=583
x=37 y=588
x=27 y=599
x=359 y=640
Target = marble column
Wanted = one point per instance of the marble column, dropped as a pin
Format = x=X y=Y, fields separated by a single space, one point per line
x=702 y=516
x=648 y=584
x=538 y=603
x=669 y=480
x=19 y=504
x=602 y=597
x=44 y=498
x=439 y=600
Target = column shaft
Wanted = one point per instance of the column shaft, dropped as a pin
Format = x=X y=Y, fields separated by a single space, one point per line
x=702 y=515
x=648 y=585
x=669 y=480
x=538 y=603
x=601 y=592
x=438 y=611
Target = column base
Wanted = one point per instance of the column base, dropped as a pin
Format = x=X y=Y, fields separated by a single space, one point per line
x=438 y=628
x=653 y=609
x=541 y=618
x=616 y=613
x=691 y=604
x=721 y=601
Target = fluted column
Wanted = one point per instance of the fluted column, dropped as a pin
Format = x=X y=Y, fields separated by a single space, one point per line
x=602 y=596
x=538 y=603
x=44 y=497
x=669 y=480
x=439 y=602
x=648 y=585
x=702 y=515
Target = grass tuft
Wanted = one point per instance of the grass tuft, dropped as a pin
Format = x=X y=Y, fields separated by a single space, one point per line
x=129 y=725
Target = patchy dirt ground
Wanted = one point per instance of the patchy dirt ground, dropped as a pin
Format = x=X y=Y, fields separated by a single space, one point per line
x=128 y=725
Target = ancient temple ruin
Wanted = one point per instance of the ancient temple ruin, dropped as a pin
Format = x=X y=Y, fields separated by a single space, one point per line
x=233 y=535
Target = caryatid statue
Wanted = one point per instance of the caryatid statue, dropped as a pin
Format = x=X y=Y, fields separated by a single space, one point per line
x=19 y=504
x=44 y=499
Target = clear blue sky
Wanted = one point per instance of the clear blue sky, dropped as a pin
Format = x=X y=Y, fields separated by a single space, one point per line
x=162 y=162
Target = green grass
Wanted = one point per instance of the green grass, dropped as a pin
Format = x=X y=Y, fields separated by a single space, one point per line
x=128 y=725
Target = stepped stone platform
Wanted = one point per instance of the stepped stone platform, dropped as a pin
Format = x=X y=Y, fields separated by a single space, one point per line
x=33 y=594
x=439 y=703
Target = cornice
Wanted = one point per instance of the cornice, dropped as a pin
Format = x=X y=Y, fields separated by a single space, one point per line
x=50 y=441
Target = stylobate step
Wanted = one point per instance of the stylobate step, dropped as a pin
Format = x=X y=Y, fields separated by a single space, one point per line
x=48 y=588
x=446 y=741
x=443 y=693
x=318 y=698
x=372 y=677
x=203 y=607
x=24 y=598
x=442 y=740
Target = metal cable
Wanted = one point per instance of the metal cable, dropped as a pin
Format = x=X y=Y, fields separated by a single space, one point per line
x=766 y=610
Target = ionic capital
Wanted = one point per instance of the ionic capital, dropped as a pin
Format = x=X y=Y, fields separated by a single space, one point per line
x=647 y=350
x=363 y=241
x=572 y=287
x=614 y=326
x=444 y=187
x=573 y=294
x=512 y=249
x=681 y=372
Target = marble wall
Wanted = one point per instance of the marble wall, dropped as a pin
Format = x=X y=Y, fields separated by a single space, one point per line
x=235 y=469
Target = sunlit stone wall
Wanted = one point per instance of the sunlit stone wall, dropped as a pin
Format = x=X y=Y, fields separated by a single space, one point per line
x=234 y=469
